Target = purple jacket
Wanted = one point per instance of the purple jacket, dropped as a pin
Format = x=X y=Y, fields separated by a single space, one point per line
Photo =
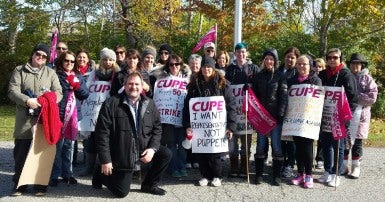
x=367 y=95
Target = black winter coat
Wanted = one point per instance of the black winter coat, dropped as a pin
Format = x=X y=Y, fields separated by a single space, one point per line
x=271 y=90
x=241 y=75
x=118 y=140
x=80 y=94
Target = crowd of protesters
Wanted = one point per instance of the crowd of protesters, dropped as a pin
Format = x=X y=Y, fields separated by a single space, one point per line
x=133 y=135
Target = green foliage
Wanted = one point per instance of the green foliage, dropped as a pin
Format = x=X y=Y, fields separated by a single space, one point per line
x=378 y=109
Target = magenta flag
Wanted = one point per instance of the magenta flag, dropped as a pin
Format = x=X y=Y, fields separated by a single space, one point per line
x=53 y=47
x=209 y=37
x=257 y=115
x=341 y=115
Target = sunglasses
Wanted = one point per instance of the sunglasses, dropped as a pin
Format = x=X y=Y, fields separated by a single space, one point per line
x=41 y=55
x=119 y=52
x=61 y=48
x=332 y=57
x=174 y=64
x=69 y=61
x=164 y=53
x=209 y=50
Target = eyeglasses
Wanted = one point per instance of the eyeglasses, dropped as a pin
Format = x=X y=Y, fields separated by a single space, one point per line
x=61 y=48
x=69 y=61
x=332 y=57
x=41 y=55
x=164 y=53
x=210 y=50
x=302 y=64
x=174 y=64
x=119 y=52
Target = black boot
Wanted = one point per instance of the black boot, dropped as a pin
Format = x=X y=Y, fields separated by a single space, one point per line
x=97 y=178
x=259 y=164
x=277 y=164
x=234 y=164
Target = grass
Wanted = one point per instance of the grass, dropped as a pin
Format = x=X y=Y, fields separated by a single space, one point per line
x=7 y=123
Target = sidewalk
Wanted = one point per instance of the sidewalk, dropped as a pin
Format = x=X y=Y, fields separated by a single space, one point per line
x=369 y=187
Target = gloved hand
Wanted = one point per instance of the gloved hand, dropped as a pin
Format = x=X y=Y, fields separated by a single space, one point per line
x=73 y=81
x=245 y=87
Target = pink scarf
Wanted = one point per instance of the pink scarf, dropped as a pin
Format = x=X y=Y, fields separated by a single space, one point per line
x=70 y=123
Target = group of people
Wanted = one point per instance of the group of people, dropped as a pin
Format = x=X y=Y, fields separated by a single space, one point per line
x=131 y=132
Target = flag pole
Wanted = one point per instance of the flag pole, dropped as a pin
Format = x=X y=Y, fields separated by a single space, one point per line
x=247 y=145
x=338 y=159
x=216 y=39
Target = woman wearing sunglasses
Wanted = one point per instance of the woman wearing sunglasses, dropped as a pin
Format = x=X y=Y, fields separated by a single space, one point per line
x=74 y=90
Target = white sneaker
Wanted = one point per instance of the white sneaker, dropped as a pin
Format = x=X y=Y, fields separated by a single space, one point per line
x=325 y=178
x=216 y=182
x=334 y=180
x=195 y=165
x=188 y=165
x=355 y=169
x=203 y=182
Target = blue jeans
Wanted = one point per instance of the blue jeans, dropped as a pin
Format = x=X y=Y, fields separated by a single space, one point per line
x=62 y=166
x=234 y=143
x=178 y=160
x=329 y=147
x=275 y=136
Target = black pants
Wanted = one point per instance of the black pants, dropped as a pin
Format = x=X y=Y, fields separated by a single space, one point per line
x=20 y=153
x=356 y=150
x=319 y=155
x=288 y=152
x=304 y=154
x=120 y=181
x=210 y=165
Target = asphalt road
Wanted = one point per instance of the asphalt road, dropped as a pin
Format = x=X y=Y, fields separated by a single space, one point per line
x=369 y=187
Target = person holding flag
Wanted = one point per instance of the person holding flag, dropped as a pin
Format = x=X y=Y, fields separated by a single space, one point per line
x=335 y=75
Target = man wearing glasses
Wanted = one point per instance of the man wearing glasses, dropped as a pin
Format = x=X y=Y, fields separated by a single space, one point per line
x=209 y=49
x=60 y=48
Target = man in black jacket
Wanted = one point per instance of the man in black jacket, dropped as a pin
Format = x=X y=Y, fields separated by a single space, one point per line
x=127 y=134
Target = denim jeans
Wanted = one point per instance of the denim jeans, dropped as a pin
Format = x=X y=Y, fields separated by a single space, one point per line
x=275 y=136
x=178 y=160
x=329 y=147
x=62 y=166
x=235 y=144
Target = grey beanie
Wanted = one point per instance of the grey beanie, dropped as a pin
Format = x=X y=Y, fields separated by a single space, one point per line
x=149 y=51
x=107 y=53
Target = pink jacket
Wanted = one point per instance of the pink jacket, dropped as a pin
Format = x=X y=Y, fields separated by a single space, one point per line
x=367 y=95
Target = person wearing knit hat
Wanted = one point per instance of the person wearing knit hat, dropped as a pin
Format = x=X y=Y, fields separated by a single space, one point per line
x=241 y=71
x=274 y=100
x=148 y=56
x=107 y=53
x=164 y=52
x=209 y=49
x=27 y=84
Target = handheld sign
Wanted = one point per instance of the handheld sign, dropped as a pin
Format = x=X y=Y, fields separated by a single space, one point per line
x=240 y=95
x=169 y=95
x=208 y=120
x=304 y=111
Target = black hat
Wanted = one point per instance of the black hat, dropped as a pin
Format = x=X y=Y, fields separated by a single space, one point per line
x=165 y=47
x=208 y=62
x=356 y=57
x=41 y=47
x=274 y=53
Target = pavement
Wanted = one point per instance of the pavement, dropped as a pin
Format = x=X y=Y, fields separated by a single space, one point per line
x=369 y=187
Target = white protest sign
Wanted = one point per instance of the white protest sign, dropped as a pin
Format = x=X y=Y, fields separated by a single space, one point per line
x=332 y=95
x=304 y=111
x=240 y=118
x=169 y=95
x=99 y=91
x=208 y=120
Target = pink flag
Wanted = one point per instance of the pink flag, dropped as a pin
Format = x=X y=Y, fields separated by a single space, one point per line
x=209 y=37
x=341 y=115
x=257 y=115
x=53 y=47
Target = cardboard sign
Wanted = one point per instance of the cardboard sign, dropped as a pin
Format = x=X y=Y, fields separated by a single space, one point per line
x=304 y=111
x=99 y=91
x=169 y=95
x=208 y=120
x=240 y=118
x=38 y=165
